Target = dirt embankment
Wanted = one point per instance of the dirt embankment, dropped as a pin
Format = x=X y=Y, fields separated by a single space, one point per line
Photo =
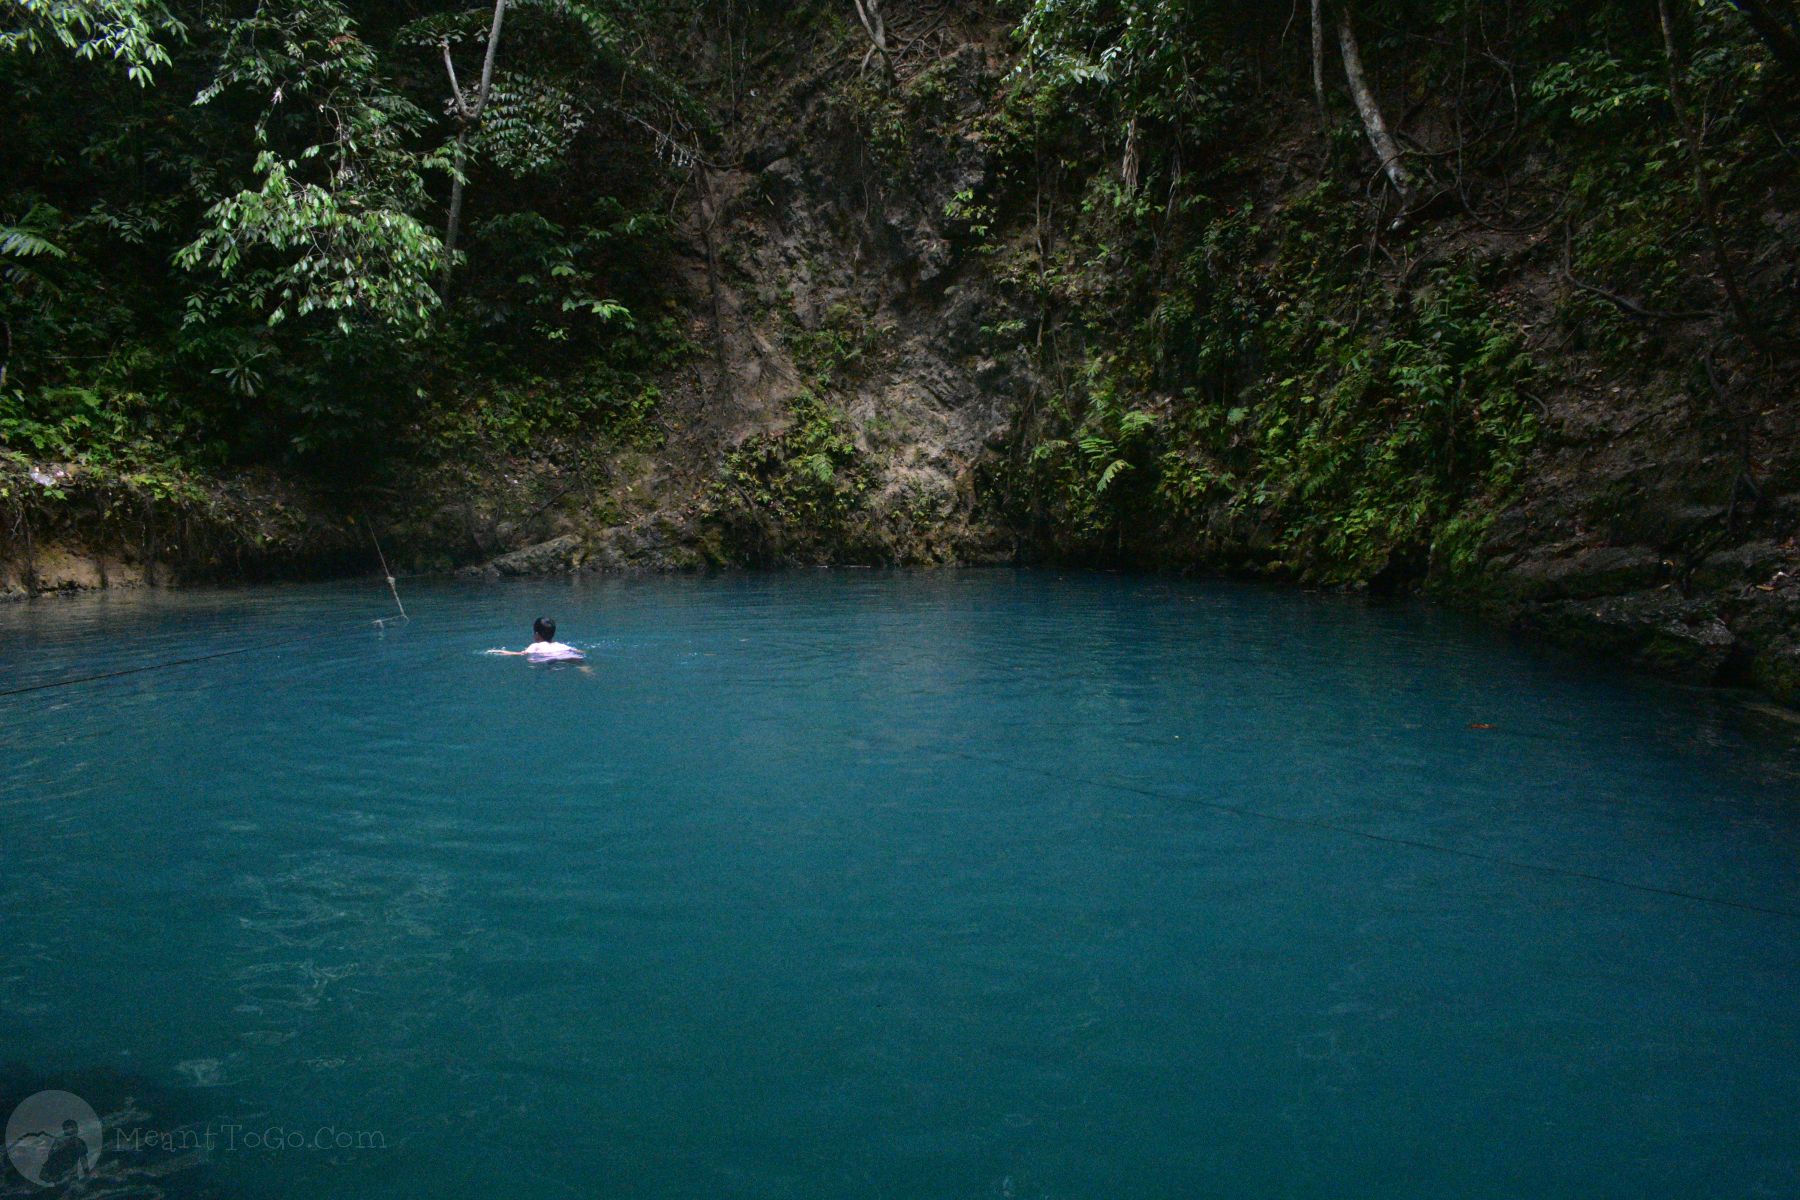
x=69 y=527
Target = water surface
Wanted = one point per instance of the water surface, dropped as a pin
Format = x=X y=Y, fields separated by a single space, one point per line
x=981 y=884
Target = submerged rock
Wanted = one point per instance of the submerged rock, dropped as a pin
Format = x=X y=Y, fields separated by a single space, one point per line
x=1659 y=630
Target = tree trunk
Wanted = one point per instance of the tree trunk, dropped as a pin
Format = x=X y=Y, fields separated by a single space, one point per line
x=1778 y=27
x=1386 y=149
x=1709 y=213
x=1132 y=160
x=869 y=13
x=454 y=222
x=1318 y=55
x=468 y=115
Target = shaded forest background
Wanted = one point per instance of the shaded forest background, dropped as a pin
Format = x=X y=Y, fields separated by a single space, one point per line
x=1496 y=297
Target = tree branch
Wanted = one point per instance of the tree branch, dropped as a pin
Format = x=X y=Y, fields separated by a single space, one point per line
x=487 y=66
x=456 y=92
x=1702 y=185
x=1624 y=303
x=869 y=13
x=468 y=113
x=1386 y=149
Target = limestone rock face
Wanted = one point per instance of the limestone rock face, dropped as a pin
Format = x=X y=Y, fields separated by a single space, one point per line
x=554 y=557
x=65 y=567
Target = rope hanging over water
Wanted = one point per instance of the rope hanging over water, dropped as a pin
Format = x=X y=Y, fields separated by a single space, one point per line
x=392 y=589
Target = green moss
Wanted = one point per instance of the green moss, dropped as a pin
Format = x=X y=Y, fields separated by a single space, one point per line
x=792 y=495
x=1368 y=447
x=840 y=349
x=880 y=117
x=1777 y=672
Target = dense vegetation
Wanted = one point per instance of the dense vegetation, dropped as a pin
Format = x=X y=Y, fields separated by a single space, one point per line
x=1293 y=283
x=1258 y=335
x=225 y=236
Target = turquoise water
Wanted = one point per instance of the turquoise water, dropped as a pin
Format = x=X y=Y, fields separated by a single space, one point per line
x=854 y=884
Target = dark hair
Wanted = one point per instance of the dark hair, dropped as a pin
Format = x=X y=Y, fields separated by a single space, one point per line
x=545 y=629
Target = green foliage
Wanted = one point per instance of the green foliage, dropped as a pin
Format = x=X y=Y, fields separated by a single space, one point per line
x=302 y=200
x=1377 y=446
x=25 y=249
x=1633 y=228
x=82 y=425
x=879 y=115
x=1096 y=476
x=974 y=218
x=329 y=254
x=607 y=406
x=1366 y=447
x=330 y=228
x=542 y=278
x=1234 y=351
x=1593 y=86
x=530 y=124
x=124 y=31
x=839 y=349
x=1227 y=334
x=29 y=238
x=797 y=487
x=1369 y=455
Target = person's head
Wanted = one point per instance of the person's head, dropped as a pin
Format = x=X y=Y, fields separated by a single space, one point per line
x=70 y=1128
x=545 y=629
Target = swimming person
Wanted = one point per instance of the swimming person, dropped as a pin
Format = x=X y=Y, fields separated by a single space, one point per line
x=545 y=648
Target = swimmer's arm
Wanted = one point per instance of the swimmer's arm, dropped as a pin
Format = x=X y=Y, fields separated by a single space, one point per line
x=509 y=653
